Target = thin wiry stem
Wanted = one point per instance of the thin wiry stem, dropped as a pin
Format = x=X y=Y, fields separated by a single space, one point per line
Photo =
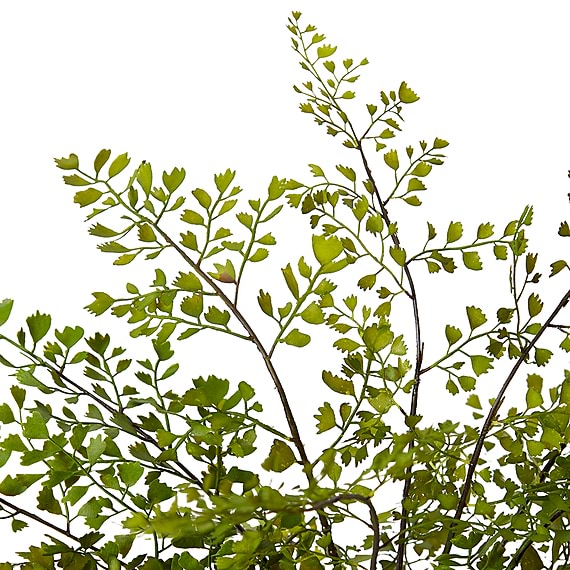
x=419 y=357
x=295 y=435
x=491 y=416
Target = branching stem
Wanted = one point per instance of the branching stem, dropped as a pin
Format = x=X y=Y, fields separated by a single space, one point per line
x=491 y=416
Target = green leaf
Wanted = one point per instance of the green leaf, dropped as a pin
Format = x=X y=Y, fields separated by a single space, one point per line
x=95 y=449
x=224 y=179
x=484 y=231
x=264 y=300
x=474 y=402
x=472 y=260
x=338 y=384
x=144 y=177
x=217 y=317
x=38 y=325
x=12 y=486
x=398 y=255
x=276 y=188
x=35 y=427
x=326 y=248
x=346 y=345
x=476 y=317
x=86 y=197
x=313 y=314
x=440 y=143
x=297 y=338
x=291 y=280
x=75 y=180
x=406 y=95
x=377 y=337
x=173 y=180
x=192 y=217
x=542 y=356
x=146 y=233
x=367 y=281
x=421 y=169
x=101 y=159
x=47 y=501
x=225 y=273
x=70 y=163
x=6 y=414
x=454 y=231
x=481 y=364
x=259 y=255
x=188 y=282
x=564 y=229
x=453 y=334
x=69 y=336
x=193 y=306
x=118 y=165
x=558 y=266
x=391 y=159
x=534 y=305
x=5 y=310
x=280 y=458
x=101 y=304
x=347 y=172
x=383 y=401
x=325 y=51
x=500 y=251
x=102 y=231
x=467 y=383
x=505 y=315
x=326 y=419
x=375 y=224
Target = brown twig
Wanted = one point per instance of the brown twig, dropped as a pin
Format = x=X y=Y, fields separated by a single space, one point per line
x=295 y=435
x=491 y=416
x=419 y=358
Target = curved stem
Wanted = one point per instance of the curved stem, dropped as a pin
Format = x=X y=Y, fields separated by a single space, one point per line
x=491 y=416
x=295 y=435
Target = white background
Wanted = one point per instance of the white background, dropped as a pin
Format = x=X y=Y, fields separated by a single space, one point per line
x=207 y=86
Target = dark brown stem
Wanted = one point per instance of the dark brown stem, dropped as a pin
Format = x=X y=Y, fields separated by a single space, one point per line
x=491 y=416
x=373 y=519
x=30 y=515
x=419 y=358
x=295 y=435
